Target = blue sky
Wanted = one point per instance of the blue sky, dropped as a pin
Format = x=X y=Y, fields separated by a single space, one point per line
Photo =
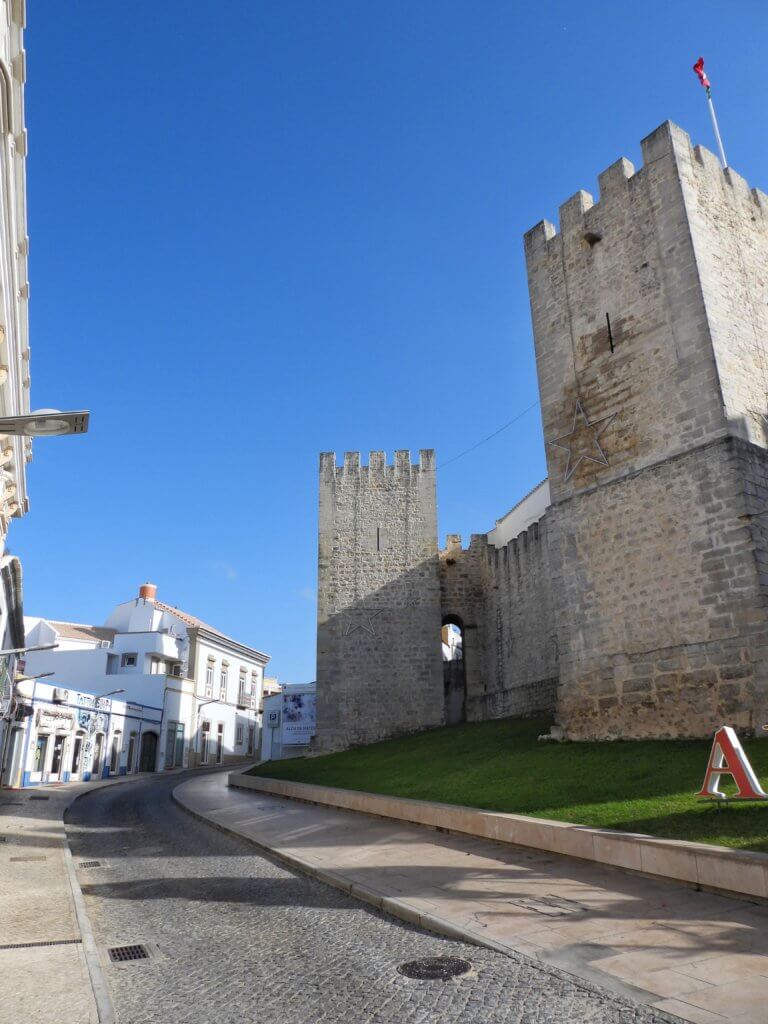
x=264 y=230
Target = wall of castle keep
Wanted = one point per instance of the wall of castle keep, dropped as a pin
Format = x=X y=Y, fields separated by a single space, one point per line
x=379 y=667
x=662 y=628
x=661 y=618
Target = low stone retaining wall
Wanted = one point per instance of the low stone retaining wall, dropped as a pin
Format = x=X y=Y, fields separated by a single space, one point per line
x=710 y=867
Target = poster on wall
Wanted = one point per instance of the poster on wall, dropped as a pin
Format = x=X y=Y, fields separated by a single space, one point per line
x=298 y=717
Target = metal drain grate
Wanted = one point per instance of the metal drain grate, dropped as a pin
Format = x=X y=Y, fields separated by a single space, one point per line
x=435 y=968
x=39 y=796
x=34 y=945
x=127 y=954
x=11 y=803
x=27 y=859
x=89 y=864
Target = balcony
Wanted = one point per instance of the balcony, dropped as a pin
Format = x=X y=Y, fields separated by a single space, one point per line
x=246 y=701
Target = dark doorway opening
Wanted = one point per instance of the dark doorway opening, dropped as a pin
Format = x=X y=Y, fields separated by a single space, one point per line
x=454 y=675
x=148 y=753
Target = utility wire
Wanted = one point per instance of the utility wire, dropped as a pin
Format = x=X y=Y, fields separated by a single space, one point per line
x=490 y=436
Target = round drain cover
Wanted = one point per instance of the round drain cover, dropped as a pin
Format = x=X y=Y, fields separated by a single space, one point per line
x=435 y=968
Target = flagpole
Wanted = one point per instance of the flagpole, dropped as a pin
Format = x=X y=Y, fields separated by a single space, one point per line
x=715 y=126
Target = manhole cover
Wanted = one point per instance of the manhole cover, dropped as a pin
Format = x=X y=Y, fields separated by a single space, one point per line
x=126 y=954
x=435 y=968
x=89 y=864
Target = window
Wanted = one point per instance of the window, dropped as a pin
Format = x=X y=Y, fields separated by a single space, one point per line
x=209 y=679
x=174 y=745
x=131 y=752
x=77 y=752
x=242 y=688
x=223 y=683
x=40 y=749
x=114 y=763
x=239 y=736
x=156 y=667
x=127 y=660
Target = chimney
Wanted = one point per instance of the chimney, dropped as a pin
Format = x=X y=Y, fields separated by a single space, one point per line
x=147 y=591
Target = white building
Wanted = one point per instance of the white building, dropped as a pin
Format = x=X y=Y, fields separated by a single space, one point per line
x=67 y=735
x=15 y=452
x=198 y=690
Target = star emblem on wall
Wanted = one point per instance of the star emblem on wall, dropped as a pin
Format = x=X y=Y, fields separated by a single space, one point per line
x=582 y=442
x=363 y=619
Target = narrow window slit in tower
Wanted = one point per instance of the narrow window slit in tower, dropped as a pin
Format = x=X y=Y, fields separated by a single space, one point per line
x=610 y=332
x=378 y=538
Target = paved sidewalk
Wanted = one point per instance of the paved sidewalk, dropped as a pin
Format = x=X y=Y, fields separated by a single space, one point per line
x=44 y=982
x=696 y=955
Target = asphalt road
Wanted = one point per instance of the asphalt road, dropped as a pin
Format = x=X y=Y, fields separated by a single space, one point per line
x=236 y=938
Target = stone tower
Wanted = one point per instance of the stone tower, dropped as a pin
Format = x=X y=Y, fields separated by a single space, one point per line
x=379 y=668
x=650 y=317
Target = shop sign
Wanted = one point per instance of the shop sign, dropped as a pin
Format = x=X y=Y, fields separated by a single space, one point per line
x=88 y=701
x=727 y=757
x=54 y=718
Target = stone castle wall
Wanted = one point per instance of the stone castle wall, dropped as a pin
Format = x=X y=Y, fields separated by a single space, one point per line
x=638 y=605
x=662 y=627
x=661 y=620
x=379 y=670
x=505 y=601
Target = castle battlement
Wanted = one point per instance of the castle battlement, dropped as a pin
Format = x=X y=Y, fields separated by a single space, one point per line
x=580 y=213
x=377 y=464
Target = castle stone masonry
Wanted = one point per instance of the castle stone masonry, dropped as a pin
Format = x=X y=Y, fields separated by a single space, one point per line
x=632 y=603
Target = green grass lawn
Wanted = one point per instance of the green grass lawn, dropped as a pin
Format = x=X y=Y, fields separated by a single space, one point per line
x=646 y=786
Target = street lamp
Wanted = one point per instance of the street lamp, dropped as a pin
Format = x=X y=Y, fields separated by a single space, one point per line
x=111 y=692
x=45 y=423
x=25 y=650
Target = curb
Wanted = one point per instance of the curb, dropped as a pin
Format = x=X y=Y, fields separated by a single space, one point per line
x=393 y=907
x=99 y=986
x=701 y=866
x=387 y=904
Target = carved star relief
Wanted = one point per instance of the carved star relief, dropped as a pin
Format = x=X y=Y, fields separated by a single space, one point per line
x=582 y=440
x=364 y=621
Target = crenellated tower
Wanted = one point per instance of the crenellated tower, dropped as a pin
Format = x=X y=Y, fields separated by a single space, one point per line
x=651 y=328
x=379 y=670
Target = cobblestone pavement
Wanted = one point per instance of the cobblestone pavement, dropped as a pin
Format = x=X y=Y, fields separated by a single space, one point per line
x=236 y=938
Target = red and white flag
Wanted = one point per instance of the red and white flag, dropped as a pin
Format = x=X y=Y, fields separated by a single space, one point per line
x=698 y=67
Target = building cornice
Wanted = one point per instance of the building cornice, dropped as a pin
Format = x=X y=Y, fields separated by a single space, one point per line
x=212 y=637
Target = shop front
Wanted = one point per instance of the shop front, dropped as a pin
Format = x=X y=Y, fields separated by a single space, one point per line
x=62 y=735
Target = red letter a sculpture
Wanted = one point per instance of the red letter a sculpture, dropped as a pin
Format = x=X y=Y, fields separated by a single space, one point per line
x=728 y=758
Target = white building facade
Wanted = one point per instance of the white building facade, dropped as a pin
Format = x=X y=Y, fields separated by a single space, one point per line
x=66 y=735
x=15 y=452
x=185 y=694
